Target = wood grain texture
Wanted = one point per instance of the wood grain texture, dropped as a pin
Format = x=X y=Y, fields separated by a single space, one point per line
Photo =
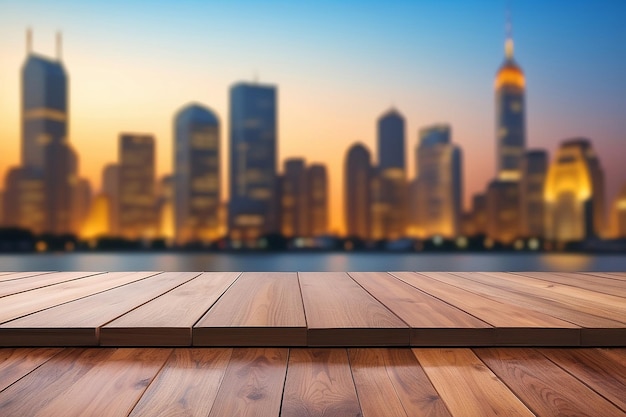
x=319 y=383
x=467 y=386
x=253 y=384
x=588 y=282
x=77 y=323
x=38 y=281
x=432 y=321
x=9 y=276
x=341 y=313
x=107 y=384
x=543 y=386
x=18 y=305
x=167 y=320
x=592 y=302
x=186 y=386
x=610 y=275
x=596 y=369
x=391 y=383
x=15 y=363
x=514 y=325
x=259 y=309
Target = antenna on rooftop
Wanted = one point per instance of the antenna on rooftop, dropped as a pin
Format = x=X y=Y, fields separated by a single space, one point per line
x=29 y=41
x=59 y=45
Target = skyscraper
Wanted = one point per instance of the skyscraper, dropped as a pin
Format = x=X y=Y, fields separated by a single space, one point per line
x=294 y=204
x=317 y=186
x=111 y=189
x=136 y=186
x=357 y=177
x=510 y=115
x=390 y=189
x=49 y=164
x=196 y=174
x=44 y=105
x=534 y=169
x=619 y=214
x=503 y=211
x=439 y=183
x=574 y=193
x=253 y=148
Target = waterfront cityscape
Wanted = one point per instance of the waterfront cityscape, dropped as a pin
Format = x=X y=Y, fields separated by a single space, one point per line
x=534 y=201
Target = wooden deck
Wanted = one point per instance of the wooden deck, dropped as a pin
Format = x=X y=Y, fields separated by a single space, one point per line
x=312 y=344
x=309 y=309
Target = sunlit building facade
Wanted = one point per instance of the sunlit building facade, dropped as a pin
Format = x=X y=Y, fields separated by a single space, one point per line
x=317 y=186
x=197 y=190
x=60 y=187
x=137 y=217
x=357 y=188
x=24 y=200
x=82 y=202
x=574 y=193
x=390 y=187
x=619 y=215
x=439 y=183
x=534 y=170
x=253 y=148
x=96 y=222
x=111 y=188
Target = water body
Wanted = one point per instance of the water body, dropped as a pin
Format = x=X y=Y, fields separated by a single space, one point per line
x=311 y=262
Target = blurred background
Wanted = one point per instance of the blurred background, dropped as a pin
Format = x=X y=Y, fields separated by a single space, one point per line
x=385 y=126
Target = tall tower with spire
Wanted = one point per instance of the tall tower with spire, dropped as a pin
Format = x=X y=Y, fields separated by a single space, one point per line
x=510 y=114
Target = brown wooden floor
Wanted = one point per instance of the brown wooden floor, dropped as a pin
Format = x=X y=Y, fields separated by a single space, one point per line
x=315 y=344
x=340 y=382
x=308 y=309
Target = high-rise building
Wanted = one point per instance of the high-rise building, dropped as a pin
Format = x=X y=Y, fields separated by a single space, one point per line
x=165 y=210
x=24 y=200
x=44 y=105
x=60 y=181
x=136 y=186
x=479 y=214
x=510 y=87
x=357 y=203
x=317 y=186
x=294 y=199
x=574 y=193
x=619 y=214
x=390 y=185
x=196 y=174
x=111 y=189
x=534 y=170
x=49 y=164
x=82 y=203
x=253 y=148
x=439 y=183
x=503 y=211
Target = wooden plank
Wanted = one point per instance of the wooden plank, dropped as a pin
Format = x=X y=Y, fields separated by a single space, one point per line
x=515 y=325
x=595 y=330
x=432 y=322
x=609 y=275
x=9 y=276
x=543 y=386
x=77 y=323
x=602 y=305
x=186 y=386
x=253 y=383
x=21 y=304
x=341 y=313
x=599 y=371
x=94 y=382
x=259 y=309
x=319 y=383
x=588 y=282
x=391 y=383
x=167 y=320
x=466 y=385
x=38 y=281
x=15 y=363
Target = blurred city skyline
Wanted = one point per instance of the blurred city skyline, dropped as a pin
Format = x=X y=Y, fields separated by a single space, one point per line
x=337 y=69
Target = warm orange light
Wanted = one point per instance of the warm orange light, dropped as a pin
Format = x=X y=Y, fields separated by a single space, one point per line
x=97 y=222
x=510 y=75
